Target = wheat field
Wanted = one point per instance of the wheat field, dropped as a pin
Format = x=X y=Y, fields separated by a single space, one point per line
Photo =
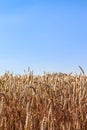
x=49 y=102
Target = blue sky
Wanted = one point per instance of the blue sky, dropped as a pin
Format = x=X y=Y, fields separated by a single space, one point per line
x=45 y=35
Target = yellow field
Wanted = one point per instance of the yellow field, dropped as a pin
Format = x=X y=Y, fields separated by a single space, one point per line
x=48 y=102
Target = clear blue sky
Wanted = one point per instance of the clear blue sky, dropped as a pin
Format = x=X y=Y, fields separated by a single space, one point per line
x=46 y=35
